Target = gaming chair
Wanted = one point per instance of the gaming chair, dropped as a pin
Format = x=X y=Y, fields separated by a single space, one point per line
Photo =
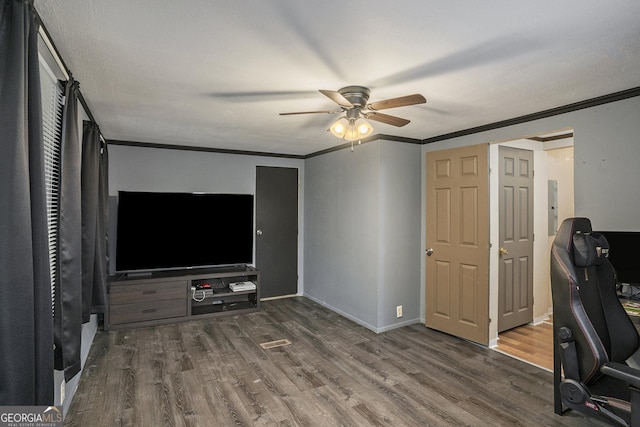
x=595 y=342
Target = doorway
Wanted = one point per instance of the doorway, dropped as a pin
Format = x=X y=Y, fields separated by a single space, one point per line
x=553 y=160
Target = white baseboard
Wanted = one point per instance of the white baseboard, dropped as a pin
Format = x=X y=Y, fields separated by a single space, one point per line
x=361 y=322
x=279 y=297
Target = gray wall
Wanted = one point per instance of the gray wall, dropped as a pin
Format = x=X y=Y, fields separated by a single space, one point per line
x=152 y=169
x=607 y=165
x=362 y=232
x=341 y=231
x=400 y=256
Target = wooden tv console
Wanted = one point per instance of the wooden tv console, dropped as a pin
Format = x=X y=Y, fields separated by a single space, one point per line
x=169 y=297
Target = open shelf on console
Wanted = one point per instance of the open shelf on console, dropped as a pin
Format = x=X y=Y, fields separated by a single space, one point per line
x=222 y=306
x=221 y=299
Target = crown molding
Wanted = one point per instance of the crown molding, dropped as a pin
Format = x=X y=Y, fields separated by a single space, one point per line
x=593 y=102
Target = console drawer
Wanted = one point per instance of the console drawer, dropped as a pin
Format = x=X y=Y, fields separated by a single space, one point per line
x=147 y=292
x=150 y=310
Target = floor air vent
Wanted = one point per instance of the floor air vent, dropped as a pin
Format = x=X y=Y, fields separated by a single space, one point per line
x=273 y=344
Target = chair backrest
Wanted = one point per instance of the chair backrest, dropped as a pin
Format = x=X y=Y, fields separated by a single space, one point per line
x=585 y=300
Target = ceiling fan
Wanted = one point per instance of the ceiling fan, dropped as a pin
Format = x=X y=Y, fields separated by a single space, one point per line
x=353 y=102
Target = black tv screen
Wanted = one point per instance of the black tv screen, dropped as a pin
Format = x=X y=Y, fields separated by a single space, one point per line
x=623 y=247
x=162 y=231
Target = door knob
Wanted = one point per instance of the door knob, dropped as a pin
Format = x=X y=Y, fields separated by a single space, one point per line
x=503 y=251
x=259 y=232
x=429 y=251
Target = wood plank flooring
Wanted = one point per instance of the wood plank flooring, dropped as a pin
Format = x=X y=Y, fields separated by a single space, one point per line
x=333 y=373
x=531 y=343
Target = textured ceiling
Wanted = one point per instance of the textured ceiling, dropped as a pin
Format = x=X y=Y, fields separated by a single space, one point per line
x=216 y=74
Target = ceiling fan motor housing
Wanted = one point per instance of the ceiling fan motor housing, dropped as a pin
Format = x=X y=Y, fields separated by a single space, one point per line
x=357 y=95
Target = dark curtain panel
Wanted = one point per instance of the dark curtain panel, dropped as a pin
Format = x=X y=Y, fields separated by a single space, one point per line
x=68 y=301
x=94 y=220
x=26 y=324
x=99 y=300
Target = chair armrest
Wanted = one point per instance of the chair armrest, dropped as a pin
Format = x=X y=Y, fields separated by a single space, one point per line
x=622 y=372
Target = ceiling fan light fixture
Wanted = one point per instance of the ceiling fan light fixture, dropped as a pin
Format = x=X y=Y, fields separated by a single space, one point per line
x=339 y=127
x=364 y=128
x=351 y=130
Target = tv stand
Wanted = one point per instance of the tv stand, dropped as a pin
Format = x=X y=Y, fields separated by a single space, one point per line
x=178 y=296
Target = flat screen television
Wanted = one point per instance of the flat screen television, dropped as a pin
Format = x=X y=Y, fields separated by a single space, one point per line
x=168 y=231
x=623 y=254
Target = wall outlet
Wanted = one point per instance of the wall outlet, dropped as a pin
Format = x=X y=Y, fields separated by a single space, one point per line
x=399 y=311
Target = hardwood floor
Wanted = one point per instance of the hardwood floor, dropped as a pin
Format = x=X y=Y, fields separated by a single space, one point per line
x=332 y=372
x=531 y=343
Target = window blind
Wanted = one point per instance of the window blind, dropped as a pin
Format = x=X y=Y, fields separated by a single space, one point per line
x=52 y=101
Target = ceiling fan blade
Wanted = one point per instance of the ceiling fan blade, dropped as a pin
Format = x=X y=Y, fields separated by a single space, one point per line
x=310 y=112
x=385 y=118
x=397 y=102
x=337 y=98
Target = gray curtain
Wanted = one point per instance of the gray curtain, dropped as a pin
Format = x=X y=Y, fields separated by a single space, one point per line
x=95 y=193
x=68 y=301
x=26 y=324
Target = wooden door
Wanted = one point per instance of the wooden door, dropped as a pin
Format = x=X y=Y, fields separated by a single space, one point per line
x=457 y=269
x=515 y=282
x=277 y=230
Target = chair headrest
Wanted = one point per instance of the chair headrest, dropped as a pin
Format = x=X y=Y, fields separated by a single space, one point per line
x=569 y=227
x=589 y=249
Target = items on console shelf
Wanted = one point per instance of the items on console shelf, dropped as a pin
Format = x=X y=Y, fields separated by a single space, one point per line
x=200 y=293
x=217 y=285
x=242 y=286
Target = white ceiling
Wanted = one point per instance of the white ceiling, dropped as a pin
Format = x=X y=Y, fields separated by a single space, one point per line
x=216 y=74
